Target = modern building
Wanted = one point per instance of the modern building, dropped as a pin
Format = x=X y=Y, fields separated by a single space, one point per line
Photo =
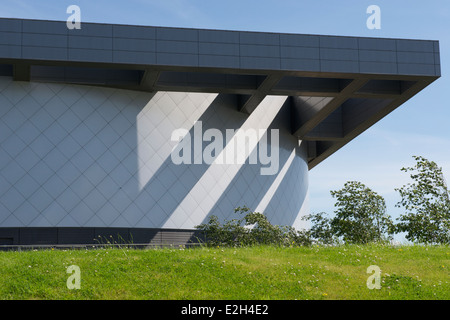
x=144 y=132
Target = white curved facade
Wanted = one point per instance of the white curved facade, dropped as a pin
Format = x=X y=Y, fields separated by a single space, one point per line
x=85 y=156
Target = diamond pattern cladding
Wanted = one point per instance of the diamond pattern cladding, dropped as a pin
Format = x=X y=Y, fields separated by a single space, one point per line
x=74 y=156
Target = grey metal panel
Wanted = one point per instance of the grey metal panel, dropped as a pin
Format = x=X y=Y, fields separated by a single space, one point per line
x=437 y=68
x=91 y=55
x=134 y=57
x=44 y=53
x=73 y=235
x=216 y=42
x=259 y=63
x=181 y=47
x=267 y=47
x=416 y=57
x=9 y=236
x=224 y=49
x=259 y=51
x=377 y=44
x=175 y=237
x=10 y=25
x=175 y=34
x=144 y=235
x=44 y=40
x=304 y=108
x=378 y=56
x=436 y=46
x=259 y=38
x=300 y=64
x=218 y=36
x=299 y=40
x=415 y=45
x=299 y=52
x=338 y=42
x=416 y=69
x=339 y=66
x=437 y=58
x=356 y=111
x=146 y=45
x=10 y=38
x=82 y=42
x=218 y=61
x=177 y=59
x=9 y=51
x=338 y=54
x=50 y=27
x=327 y=130
x=378 y=67
x=105 y=235
x=135 y=32
x=29 y=236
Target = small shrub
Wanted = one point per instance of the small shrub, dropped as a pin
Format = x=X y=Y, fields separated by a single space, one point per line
x=320 y=231
x=252 y=228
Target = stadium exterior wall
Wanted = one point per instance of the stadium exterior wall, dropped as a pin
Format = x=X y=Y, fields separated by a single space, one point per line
x=81 y=161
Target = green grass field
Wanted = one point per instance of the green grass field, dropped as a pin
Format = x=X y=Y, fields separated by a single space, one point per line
x=407 y=272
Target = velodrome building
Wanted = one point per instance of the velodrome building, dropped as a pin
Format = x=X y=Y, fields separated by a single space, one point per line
x=141 y=133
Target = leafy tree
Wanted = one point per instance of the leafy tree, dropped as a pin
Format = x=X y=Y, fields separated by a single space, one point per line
x=360 y=217
x=427 y=204
x=320 y=229
x=361 y=214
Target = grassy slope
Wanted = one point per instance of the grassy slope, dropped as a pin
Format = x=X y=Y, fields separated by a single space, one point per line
x=408 y=272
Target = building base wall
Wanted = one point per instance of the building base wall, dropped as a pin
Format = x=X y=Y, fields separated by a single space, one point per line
x=67 y=237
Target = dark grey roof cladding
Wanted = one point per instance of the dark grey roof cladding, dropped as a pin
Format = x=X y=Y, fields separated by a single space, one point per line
x=243 y=50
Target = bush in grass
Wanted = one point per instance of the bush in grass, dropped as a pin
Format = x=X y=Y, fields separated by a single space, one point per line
x=252 y=228
x=320 y=231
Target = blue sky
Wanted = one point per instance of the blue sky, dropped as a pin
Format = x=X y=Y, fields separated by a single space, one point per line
x=418 y=127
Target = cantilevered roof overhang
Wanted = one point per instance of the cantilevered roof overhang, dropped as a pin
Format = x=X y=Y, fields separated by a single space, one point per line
x=337 y=86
